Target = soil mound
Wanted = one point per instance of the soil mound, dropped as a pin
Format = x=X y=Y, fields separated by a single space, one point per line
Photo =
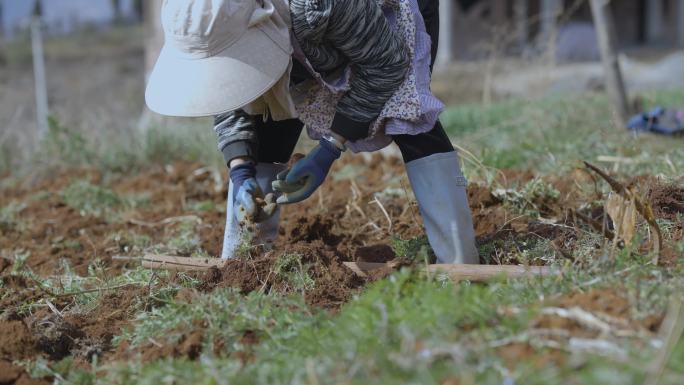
x=312 y=268
x=46 y=228
x=667 y=201
x=11 y=374
x=16 y=340
x=606 y=306
x=189 y=346
x=358 y=216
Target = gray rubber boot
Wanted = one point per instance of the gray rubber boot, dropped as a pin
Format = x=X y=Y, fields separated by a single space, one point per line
x=440 y=189
x=266 y=232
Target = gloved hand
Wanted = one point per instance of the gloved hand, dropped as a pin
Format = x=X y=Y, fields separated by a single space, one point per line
x=305 y=176
x=249 y=201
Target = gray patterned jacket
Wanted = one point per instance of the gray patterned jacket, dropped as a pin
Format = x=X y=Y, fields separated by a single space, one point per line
x=334 y=34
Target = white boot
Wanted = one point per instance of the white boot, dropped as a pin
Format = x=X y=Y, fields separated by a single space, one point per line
x=440 y=190
x=266 y=232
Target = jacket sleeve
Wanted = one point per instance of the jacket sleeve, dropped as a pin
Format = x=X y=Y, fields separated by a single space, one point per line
x=236 y=134
x=359 y=30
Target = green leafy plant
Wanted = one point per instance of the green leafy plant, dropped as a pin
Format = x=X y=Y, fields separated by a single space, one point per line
x=129 y=241
x=19 y=262
x=90 y=199
x=223 y=315
x=527 y=199
x=63 y=144
x=291 y=268
x=201 y=206
x=99 y=201
x=184 y=239
x=417 y=249
x=8 y=216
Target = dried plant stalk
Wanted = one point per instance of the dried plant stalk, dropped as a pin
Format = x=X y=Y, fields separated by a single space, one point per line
x=643 y=208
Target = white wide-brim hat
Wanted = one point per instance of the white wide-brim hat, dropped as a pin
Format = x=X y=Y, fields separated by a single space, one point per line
x=219 y=56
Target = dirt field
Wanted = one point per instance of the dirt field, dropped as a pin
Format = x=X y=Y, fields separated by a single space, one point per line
x=358 y=217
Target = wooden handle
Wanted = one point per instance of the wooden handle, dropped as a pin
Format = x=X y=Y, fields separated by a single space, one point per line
x=481 y=273
x=152 y=261
x=456 y=272
x=459 y=272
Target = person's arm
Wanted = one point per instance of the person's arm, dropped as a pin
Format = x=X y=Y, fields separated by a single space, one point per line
x=237 y=138
x=239 y=144
x=378 y=57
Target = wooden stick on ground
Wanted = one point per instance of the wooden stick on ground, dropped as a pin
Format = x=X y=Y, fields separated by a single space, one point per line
x=456 y=272
x=152 y=261
x=461 y=272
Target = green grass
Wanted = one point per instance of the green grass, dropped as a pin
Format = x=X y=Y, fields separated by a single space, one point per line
x=296 y=273
x=6 y=161
x=224 y=316
x=9 y=216
x=17 y=51
x=183 y=239
x=130 y=241
x=159 y=144
x=410 y=330
x=554 y=134
x=417 y=248
x=85 y=291
x=202 y=206
x=90 y=199
x=522 y=201
x=550 y=136
x=405 y=329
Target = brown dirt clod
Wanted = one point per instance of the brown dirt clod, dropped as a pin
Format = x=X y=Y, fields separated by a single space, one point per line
x=16 y=340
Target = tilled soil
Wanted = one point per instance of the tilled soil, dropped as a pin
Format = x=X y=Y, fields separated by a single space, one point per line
x=17 y=342
x=355 y=216
x=604 y=315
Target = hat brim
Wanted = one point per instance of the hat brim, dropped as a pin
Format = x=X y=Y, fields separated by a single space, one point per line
x=229 y=80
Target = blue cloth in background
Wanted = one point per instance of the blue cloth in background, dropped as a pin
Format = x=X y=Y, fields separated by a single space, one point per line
x=659 y=120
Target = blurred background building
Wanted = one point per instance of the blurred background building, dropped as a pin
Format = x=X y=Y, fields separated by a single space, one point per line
x=470 y=27
x=97 y=53
x=65 y=16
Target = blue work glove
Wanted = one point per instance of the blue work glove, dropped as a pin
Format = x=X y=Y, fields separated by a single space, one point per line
x=248 y=200
x=307 y=174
